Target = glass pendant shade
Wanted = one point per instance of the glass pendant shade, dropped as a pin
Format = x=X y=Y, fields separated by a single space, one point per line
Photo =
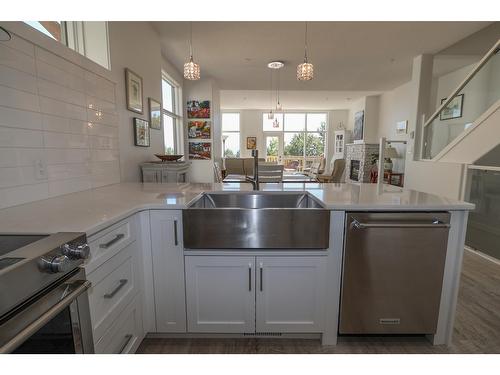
x=279 y=107
x=276 y=123
x=270 y=115
x=305 y=71
x=191 y=70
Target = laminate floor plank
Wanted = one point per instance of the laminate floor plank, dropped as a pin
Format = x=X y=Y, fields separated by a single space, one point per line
x=476 y=331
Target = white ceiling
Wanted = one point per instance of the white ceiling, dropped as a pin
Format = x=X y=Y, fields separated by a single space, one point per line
x=347 y=56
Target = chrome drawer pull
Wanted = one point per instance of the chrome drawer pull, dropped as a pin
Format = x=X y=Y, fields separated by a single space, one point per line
x=437 y=224
x=261 y=283
x=117 y=289
x=250 y=277
x=125 y=343
x=117 y=238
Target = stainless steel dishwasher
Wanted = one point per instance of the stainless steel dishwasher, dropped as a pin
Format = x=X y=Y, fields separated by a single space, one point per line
x=393 y=272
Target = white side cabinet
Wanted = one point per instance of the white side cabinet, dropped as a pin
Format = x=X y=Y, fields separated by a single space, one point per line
x=168 y=270
x=220 y=293
x=241 y=294
x=291 y=294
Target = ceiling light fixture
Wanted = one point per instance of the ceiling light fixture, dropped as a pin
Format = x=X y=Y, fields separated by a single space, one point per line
x=275 y=65
x=270 y=115
x=305 y=71
x=191 y=69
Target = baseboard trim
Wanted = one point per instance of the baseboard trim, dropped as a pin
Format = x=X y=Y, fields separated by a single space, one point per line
x=264 y=335
x=482 y=255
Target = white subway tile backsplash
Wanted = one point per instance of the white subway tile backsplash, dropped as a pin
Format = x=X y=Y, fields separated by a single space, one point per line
x=54 y=74
x=17 y=60
x=16 y=79
x=72 y=185
x=10 y=97
x=61 y=109
x=21 y=157
x=20 y=45
x=65 y=140
x=64 y=125
x=58 y=126
x=12 y=137
x=23 y=194
x=67 y=156
x=16 y=118
x=58 y=92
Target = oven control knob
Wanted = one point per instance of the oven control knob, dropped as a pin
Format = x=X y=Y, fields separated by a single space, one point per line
x=76 y=252
x=57 y=264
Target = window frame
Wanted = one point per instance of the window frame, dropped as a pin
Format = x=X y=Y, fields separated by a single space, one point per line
x=305 y=131
x=238 y=132
x=176 y=115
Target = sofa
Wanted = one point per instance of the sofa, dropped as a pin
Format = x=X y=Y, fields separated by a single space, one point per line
x=240 y=166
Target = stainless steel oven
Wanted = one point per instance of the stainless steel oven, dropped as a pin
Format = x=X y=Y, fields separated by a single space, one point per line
x=44 y=306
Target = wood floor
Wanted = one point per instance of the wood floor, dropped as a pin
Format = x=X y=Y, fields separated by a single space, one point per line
x=477 y=327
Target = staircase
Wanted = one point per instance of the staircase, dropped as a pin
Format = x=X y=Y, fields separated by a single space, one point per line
x=467 y=125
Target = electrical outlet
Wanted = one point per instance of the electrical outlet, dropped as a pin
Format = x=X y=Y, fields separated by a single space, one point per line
x=40 y=170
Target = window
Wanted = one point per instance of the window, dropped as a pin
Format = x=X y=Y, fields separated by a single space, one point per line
x=89 y=38
x=172 y=118
x=231 y=135
x=304 y=137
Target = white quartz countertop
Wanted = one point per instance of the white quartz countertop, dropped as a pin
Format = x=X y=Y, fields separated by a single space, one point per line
x=92 y=210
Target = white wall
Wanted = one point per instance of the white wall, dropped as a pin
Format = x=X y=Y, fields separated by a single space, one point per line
x=136 y=45
x=58 y=122
x=370 y=105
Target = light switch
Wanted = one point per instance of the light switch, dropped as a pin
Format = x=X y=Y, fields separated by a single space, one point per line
x=40 y=170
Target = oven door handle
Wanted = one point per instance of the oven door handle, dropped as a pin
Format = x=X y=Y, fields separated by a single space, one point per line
x=80 y=287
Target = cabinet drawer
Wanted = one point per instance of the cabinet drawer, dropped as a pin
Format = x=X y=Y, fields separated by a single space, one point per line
x=109 y=242
x=114 y=285
x=126 y=333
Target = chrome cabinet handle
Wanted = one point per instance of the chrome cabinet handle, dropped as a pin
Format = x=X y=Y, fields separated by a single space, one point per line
x=125 y=343
x=117 y=238
x=261 y=284
x=358 y=225
x=117 y=289
x=176 y=240
x=249 y=277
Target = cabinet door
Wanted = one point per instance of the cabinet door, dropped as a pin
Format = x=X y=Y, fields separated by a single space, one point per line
x=149 y=175
x=220 y=292
x=168 y=270
x=291 y=294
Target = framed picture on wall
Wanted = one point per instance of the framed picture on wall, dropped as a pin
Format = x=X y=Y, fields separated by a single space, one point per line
x=200 y=150
x=251 y=143
x=133 y=85
x=198 y=109
x=154 y=114
x=199 y=129
x=359 y=118
x=401 y=127
x=142 y=136
x=453 y=109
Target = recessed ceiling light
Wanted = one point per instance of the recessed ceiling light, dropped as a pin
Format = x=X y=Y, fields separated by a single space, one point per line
x=276 y=64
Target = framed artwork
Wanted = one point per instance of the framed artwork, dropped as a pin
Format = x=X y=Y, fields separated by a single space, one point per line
x=154 y=114
x=133 y=84
x=200 y=150
x=199 y=129
x=359 y=118
x=142 y=136
x=251 y=143
x=453 y=109
x=198 y=109
x=401 y=127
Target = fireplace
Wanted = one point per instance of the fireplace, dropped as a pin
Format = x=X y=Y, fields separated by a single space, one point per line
x=354 y=173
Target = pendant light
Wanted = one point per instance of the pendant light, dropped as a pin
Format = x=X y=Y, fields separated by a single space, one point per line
x=279 y=107
x=305 y=71
x=191 y=69
x=270 y=115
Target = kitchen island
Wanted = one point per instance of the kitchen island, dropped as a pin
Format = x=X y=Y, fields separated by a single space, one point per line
x=184 y=291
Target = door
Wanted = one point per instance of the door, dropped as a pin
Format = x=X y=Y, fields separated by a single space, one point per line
x=168 y=270
x=220 y=294
x=291 y=293
x=274 y=147
x=393 y=272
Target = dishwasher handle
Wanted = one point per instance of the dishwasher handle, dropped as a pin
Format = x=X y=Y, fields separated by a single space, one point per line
x=435 y=224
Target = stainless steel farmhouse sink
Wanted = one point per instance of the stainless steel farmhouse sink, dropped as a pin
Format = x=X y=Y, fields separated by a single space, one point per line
x=256 y=220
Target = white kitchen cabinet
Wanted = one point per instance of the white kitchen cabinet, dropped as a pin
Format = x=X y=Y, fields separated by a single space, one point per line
x=241 y=294
x=291 y=293
x=220 y=294
x=168 y=270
